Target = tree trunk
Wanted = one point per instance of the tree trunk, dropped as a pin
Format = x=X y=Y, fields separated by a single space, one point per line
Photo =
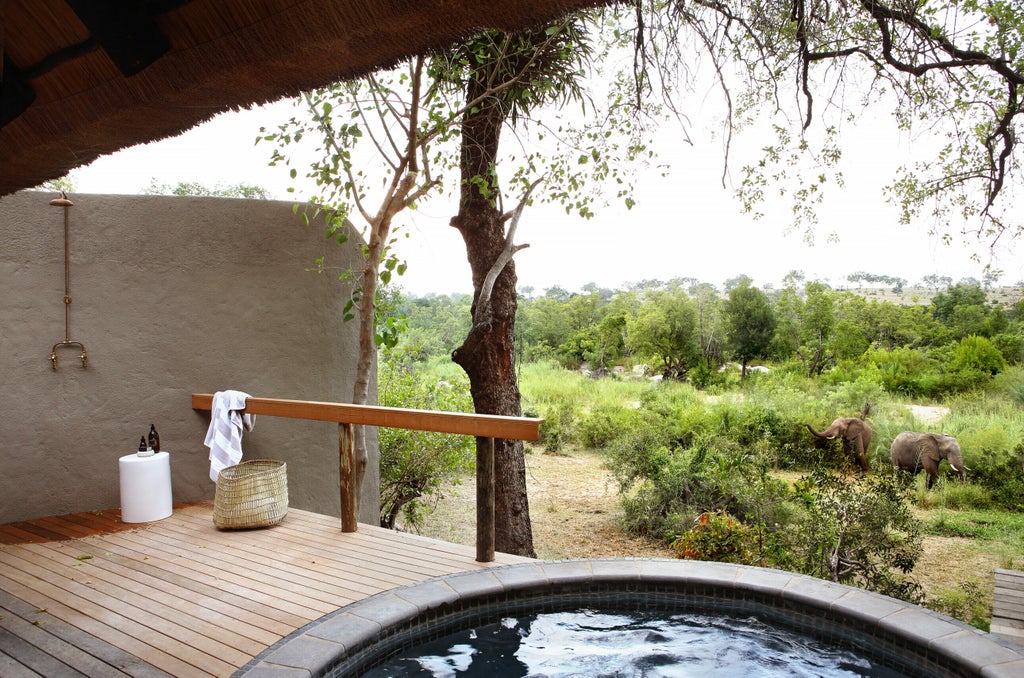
x=487 y=354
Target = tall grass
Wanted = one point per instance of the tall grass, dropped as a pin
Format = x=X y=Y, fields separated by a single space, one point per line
x=543 y=383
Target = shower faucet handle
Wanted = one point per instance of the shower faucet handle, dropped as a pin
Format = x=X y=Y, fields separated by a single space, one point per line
x=67 y=342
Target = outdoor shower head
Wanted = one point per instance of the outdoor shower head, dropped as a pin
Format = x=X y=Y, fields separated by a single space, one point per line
x=62 y=201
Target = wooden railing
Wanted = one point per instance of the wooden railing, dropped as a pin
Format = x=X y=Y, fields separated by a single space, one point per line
x=486 y=426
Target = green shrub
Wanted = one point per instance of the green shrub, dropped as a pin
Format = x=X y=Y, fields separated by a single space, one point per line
x=857 y=387
x=680 y=414
x=704 y=376
x=859 y=530
x=665 y=486
x=416 y=464
x=1002 y=474
x=597 y=428
x=977 y=354
x=901 y=369
x=557 y=431
x=719 y=537
x=655 y=486
x=754 y=423
x=1011 y=346
x=638 y=454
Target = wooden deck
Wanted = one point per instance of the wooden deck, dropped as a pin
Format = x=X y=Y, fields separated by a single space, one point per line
x=1008 y=605
x=89 y=595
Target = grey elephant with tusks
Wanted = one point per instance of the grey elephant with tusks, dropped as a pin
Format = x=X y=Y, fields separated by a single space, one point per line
x=913 y=452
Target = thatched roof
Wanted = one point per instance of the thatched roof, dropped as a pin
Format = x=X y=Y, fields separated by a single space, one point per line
x=83 y=78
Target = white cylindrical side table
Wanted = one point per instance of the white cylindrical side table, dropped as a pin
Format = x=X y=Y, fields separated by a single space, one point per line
x=145 y=487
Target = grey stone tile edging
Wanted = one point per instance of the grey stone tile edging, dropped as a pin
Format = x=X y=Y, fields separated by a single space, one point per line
x=886 y=627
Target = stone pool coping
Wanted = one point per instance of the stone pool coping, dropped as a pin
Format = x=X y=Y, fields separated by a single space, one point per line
x=319 y=648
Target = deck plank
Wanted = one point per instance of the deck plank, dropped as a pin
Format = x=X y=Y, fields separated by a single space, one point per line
x=144 y=584
x=157 y=608
x=305 y=544
x=12 y=668
x=225 y=564
x=198 y=584
x=207 y=575
x=1008 y=605
x=34 y=658
x=86 y=594
x=65 y=608
x=85 y=653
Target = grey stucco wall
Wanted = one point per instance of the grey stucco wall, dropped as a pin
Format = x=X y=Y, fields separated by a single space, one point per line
x=171 y=296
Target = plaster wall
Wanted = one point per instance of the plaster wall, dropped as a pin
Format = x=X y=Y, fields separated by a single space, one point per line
x=170 y=296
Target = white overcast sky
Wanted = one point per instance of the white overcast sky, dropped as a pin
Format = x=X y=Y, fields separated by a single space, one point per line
x=684 y=225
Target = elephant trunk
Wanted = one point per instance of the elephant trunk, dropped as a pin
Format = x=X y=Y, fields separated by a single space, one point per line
x=817 y=434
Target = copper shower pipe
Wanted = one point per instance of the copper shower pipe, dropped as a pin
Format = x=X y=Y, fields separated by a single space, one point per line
x=63 y=201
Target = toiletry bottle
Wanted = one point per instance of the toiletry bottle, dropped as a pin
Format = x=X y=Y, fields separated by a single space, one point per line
x=154 y=438
x=144 y=450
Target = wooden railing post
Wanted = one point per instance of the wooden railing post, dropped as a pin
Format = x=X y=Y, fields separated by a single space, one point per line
x=347 y=477
x=485 y=500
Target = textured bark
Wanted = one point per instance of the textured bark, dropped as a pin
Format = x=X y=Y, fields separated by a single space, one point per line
x=487 y=355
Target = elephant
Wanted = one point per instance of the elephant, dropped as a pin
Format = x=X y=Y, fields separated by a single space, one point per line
x=855 y=432
x=912 y=452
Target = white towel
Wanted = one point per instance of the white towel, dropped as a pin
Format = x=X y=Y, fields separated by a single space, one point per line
x=224 y=437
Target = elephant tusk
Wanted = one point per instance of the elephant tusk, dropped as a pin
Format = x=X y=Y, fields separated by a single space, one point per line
x=954 y=468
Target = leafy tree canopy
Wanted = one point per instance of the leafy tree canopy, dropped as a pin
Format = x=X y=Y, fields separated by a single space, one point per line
x=950 y=73
x=749 y=322
x=241 y=190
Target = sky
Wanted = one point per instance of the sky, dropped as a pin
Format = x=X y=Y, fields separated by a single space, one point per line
x=683 y=225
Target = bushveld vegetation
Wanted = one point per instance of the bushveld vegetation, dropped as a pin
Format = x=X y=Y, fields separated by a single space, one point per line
x=711 y=455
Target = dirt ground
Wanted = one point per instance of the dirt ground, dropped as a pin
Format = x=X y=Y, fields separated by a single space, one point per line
x=575 y=511
x=928 y=414
x=574 y=508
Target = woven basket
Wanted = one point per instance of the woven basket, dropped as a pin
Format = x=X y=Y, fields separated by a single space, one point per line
x=251 y=494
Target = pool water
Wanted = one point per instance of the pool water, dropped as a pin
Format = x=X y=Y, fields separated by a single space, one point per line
x=649 y=644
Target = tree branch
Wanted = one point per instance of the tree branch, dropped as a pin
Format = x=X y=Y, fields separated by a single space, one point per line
x=329 y=139
x=483 y=303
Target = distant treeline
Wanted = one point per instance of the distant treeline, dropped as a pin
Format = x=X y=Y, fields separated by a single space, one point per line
x=688 y=330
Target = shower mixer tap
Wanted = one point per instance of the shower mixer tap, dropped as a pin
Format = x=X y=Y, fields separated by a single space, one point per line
x=53 y=352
